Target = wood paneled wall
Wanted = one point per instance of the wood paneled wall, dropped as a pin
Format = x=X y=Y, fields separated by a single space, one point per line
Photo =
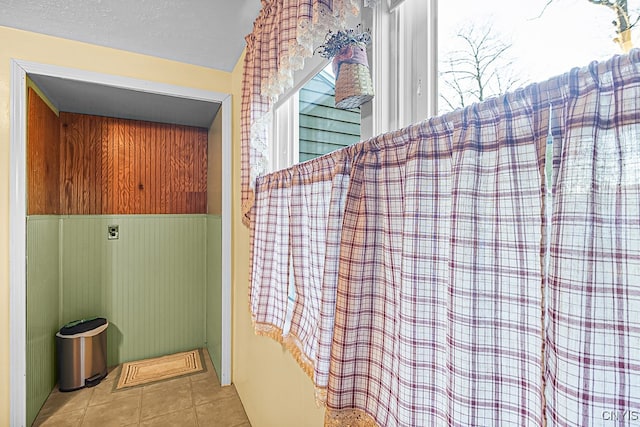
x=43 y=157
x=82 y=164
x=118 y=166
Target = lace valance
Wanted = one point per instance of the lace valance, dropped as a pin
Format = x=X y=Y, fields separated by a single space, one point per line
x=285 y=33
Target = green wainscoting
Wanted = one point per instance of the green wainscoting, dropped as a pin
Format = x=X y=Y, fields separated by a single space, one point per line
x=214 y=289
x=83 y=267
x=159 y=285
x=149 y=283
x=43 y=304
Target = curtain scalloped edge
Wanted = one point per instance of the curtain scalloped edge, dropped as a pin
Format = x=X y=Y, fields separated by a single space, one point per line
x=348 y=417
x=291 y=343
x=268 y=330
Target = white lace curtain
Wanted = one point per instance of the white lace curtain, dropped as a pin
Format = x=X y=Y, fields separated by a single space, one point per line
x=285 y=33
x=422 y=295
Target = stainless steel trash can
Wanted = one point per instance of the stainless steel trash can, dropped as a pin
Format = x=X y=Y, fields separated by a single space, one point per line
x=82 y=353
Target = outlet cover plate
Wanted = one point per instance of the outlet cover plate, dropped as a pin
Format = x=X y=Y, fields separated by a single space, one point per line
x=113 y=232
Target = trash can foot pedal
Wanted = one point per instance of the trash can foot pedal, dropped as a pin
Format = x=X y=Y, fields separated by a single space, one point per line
x=93 y=381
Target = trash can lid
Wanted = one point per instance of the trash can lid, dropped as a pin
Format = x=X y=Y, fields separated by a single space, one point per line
x=81 y=326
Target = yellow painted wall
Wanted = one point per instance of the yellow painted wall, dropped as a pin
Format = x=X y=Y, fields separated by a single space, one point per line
x=272 y=387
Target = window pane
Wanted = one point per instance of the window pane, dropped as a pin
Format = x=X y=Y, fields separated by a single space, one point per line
x=489 y=47
x=323 y=127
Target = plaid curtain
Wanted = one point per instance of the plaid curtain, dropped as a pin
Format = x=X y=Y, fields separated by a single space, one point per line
x=285 y=33
x=438 y=304
x=296 y=236
x=407 y=273
x=415 y=263
x=593 y=338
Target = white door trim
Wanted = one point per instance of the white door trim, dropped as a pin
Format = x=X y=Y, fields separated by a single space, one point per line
x=18 y=212
x=17 y=247
x=227 y=185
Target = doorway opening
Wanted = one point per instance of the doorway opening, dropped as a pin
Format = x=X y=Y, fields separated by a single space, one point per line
x=20 y=70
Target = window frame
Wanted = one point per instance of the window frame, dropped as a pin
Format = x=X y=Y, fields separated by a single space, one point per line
x=405 y=80
x=284 y=129
x=405 y=76
x=397 y=101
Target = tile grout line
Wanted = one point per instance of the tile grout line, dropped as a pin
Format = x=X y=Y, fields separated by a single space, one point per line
x=193 y=400
x=84 y=410
x=140 y=406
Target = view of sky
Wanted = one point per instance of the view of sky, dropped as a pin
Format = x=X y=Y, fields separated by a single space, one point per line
x=569 y=33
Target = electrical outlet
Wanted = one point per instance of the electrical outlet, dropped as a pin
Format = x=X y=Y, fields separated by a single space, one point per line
x=113 y=232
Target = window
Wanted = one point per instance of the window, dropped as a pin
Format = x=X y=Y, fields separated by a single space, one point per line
x=403 y=58
x=403 y=83
x=429 y=57
x=425 y=52
x=323 y=128
x=307 y=124
x=491 y=47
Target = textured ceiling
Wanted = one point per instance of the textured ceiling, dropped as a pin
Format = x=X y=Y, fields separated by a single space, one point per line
x=209 y=33
x=90 y=98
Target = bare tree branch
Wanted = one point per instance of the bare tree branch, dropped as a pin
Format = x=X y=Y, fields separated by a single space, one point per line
x=622 y=23
x=479 y=70
x=543 y=9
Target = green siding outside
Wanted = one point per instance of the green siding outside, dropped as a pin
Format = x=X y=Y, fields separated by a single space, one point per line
x=322 y=136
x=320 y=111
x=322 y=83
x=317 y=148
x=214 y=290
x=42 y=309
x=322 y=127
x=149 y=284
x=349 y=128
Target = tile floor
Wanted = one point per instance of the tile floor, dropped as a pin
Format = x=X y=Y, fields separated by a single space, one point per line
x=195 y=400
